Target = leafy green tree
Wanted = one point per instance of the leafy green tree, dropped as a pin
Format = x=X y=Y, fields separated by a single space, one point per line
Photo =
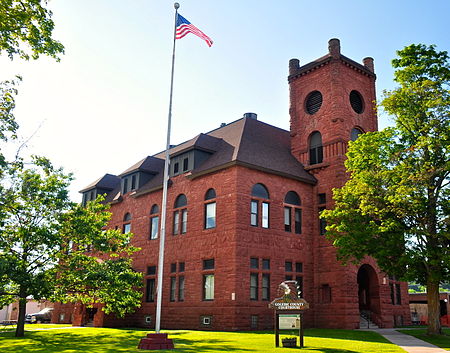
x=27 y=22
x=395 y=206
x=52 y=248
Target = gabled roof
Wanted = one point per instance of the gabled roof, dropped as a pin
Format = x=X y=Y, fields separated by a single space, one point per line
x=107 y=182
x=150 y=164
x=200 y=142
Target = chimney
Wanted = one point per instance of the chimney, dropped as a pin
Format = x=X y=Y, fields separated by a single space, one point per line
x=368 y=62
x=334 y=47
x=251 y=116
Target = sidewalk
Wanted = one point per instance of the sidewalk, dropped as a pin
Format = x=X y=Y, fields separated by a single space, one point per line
x=408 y=343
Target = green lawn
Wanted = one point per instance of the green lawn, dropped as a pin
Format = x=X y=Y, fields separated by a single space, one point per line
x=440 y=341
x=104 y=340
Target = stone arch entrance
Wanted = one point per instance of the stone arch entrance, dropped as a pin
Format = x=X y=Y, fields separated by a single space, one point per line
x=368 y=290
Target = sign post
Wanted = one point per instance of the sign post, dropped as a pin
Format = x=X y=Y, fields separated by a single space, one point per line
x=289 y=306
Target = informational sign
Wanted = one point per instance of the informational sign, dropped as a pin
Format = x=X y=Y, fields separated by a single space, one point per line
x=289 y=322
x=289 y=309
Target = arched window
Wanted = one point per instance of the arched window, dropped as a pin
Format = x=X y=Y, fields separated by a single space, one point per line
x=154 y=222
x=355 y=133
x=210 y=209
x=292 y=212
x=180 y=215
x=127 y=223
x=315 y=148
x=259 y=206
x=259 y=190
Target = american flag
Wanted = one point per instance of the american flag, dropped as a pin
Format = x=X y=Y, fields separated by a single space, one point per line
x=184 y=27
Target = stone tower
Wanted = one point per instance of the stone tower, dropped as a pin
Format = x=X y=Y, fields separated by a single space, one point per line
x=332 y=101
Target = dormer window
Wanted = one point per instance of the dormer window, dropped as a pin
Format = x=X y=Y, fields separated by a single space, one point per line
x=130 y=182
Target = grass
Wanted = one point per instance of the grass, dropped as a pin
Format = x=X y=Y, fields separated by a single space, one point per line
x=31 y=327
x=440 y=341
x=105 y=340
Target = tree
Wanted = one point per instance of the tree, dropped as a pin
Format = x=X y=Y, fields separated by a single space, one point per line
x=52 y=248
x=395 y=206
x=27 y=22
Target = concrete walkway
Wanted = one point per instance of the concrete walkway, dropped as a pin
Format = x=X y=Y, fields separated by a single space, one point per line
x=409 y=343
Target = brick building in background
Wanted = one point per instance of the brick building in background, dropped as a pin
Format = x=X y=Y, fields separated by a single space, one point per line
x=243 y=215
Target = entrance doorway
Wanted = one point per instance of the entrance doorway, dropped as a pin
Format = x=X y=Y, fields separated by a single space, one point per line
x=368 y=290
x=90 y=313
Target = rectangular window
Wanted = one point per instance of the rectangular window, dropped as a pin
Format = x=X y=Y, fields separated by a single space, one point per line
x=185 y=164
x=150 y=290
x=326 y=293
x=154 y=224
x=254 y=286
x=208 y=287
x=184 y=215
x=133 y=182
x=181 y=267
x=210 y=215
x=176 y=168
x=288 y=278
x=298 y=267
x=266 y=264
x=181 y=288
x=288 y=266
x=176 y=222
x=322 y=223
x=322 y=199
x=173 y=288
x=254 y=262
x=173 y=267
x=298 y=221
x=391 y=286
x=299 y=280
x=254 y=213
x=265 y=215
x=127 y=228
x=125 y=186
x=398 y=295
x=208 y=264
x=151 y=270
x=254 y=322
x=287 y=219
x=265 y=286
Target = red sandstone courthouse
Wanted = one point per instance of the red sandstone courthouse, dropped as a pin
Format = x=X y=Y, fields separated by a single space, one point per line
x=243 y=215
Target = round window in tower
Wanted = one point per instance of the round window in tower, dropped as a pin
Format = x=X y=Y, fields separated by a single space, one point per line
x=356 y=101
x=313 y=102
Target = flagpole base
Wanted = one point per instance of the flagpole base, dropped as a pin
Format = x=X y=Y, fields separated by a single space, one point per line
x=156 y=341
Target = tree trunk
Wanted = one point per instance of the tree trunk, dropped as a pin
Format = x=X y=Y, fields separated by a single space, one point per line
x=20 y=329
x=434 y=323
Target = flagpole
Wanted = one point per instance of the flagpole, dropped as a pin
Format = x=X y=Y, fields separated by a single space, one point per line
x=165 y=187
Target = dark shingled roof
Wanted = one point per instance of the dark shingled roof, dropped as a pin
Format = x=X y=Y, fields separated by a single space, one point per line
x=149 y=165
x=253 y=143
x=107 y=182
x=248 y=142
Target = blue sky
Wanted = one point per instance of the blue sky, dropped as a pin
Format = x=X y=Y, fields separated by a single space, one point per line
x=105 y=105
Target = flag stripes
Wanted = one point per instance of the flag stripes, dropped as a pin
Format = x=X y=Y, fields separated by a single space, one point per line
x=184 y=27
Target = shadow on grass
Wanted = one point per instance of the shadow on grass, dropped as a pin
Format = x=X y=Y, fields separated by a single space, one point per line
x=127 y=339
